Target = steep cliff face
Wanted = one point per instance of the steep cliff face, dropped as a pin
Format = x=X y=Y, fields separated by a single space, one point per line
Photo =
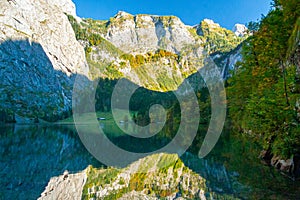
x=39 y=55
x=67 y=6
x=144 y=33
x=228 y=61
x=156 y=52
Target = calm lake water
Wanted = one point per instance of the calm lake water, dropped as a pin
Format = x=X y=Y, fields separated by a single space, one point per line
x=31 y=154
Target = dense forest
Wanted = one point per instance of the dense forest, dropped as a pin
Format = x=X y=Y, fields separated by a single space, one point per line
x=264 y=91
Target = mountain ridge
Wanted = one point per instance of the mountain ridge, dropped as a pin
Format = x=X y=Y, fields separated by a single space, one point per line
x=149 y=49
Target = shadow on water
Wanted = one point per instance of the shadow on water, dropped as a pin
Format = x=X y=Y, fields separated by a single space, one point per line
x=31 y=154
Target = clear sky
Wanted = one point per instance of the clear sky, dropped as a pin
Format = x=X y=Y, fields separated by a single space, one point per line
x=191 y=12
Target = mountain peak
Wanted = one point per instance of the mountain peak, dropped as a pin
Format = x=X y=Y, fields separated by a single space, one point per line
x=211 y=23
x=122 y=14
x=240 y=30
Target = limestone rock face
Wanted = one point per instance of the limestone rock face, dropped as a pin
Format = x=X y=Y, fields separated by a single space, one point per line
x=143 y=33
x=230 y=60
x=66 y=186
x=39 y=56
x=67 y=6
x=155 y=52
x=240 y=30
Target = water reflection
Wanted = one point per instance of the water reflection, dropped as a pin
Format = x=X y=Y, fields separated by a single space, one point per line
x=31 y=154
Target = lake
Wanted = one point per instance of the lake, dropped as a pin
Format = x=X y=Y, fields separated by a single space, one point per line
x=31 y=154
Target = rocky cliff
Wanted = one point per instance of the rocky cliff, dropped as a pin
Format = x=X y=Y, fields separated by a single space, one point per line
x=156 y=52
x=144 y=33
x=39 y=57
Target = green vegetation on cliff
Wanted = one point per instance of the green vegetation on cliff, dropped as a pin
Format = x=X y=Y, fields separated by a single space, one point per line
x=155 y=69
x=218 y=39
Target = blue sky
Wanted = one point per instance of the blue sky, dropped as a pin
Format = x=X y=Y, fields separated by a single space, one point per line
x=191 y=12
